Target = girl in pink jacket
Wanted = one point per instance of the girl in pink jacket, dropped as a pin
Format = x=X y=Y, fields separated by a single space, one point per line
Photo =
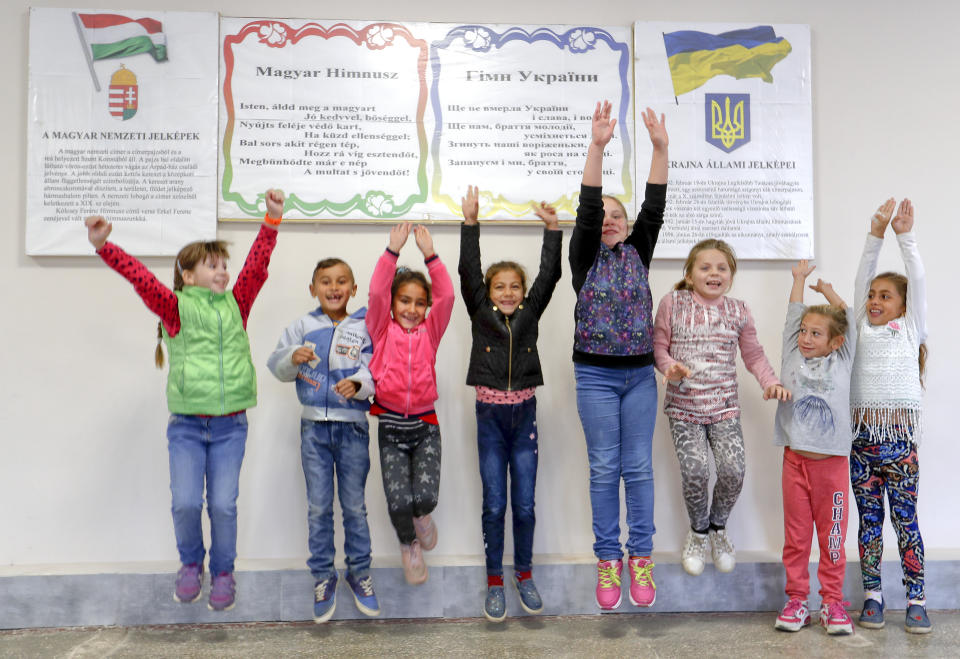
x=405 y=341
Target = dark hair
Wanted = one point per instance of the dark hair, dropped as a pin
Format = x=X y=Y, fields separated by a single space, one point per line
x=900 y=283
x=323 y=264
x=501 y=266
x=405 y=275
x=187 y=259
x=836 y=318
x=702 y=246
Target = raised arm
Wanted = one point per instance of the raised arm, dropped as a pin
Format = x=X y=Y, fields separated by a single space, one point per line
x=871 y=254
x=538 y=297
x=825 y=288
x=378 y=311
x=601 y=130
x=254 y=274
x=916 y=277
x=471 y=274
x=800 y=273
x=659 y=161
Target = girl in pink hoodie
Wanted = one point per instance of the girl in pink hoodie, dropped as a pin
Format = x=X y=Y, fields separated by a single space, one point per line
x=405 y=341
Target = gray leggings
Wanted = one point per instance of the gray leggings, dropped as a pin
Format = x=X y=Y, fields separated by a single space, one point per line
x=410 y=466
x=725 y=439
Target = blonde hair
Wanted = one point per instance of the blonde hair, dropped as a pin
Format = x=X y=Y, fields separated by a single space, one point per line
x=836 y=318
x=187 y=259
x=702 y=246
x=899 y=282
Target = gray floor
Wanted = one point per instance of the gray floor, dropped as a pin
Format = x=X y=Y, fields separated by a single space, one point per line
x=642 y=634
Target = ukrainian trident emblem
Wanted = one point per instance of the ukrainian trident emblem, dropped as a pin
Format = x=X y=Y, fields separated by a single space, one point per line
x=122 y=97
x=727 y=120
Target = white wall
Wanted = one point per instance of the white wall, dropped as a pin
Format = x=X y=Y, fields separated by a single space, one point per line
x=83 y=472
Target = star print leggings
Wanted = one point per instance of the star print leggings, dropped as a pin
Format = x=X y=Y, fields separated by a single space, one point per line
x=410 y=465
x=890 y=466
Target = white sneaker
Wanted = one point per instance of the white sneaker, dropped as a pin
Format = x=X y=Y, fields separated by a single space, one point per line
x=694 y=552
x=724 y=555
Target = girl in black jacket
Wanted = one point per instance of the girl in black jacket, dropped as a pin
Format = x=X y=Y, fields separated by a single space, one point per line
x=505 y=369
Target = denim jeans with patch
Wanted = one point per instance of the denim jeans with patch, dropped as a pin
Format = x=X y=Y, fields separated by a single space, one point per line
x=507 y=438
x=341 y=446
x=618 y=409
x=206 y=451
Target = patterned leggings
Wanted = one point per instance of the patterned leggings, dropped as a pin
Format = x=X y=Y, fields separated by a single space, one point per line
x=725 y=439
x=892 y=466
x=410 y=466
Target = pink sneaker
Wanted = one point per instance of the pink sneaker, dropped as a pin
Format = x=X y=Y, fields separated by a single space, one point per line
x=426 y=531
x=414 y=568
x=643 y=592
x=794 y=616
x=835 y=619
x=609 y=593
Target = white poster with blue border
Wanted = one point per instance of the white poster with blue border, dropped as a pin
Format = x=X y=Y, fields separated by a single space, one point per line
x=737 y=102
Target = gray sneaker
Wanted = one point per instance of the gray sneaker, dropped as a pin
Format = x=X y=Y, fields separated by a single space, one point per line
x=495 y=606
x=917 y=621
x=529 y=597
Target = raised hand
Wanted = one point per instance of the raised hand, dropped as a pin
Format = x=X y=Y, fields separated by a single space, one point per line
x=777 y=392
x=548 y=214
x=470 y=204
x=802 y=270
x=880 y=219
x=424 y=241
x=822 y=287
x=676 y=372
x=398 y=236
x=657 y=128
x=275 y=201
x=903 y=221
x=602 y=125
x=98 y=230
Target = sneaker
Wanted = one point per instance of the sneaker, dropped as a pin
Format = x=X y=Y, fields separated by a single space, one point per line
x=609 y=593
x=426 y=532
x=363 y=595
x=223 y=592
x=917 y=621
x=793 y=617
x=724 y=555
x=529 y=595
x=414 y=569
x=495 y=606
x=189 y=578
x=643 y=592
x=872 y=615
x=834 y=618
x=694 y=552
x=324 y=598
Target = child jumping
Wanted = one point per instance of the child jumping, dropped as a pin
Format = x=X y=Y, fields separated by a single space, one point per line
x=327 y=352
x=696 y=334
x=886 y=396
x=613 y=359
x=814 y=429
x=505 y=369
x=405 y=340
x=211 y=384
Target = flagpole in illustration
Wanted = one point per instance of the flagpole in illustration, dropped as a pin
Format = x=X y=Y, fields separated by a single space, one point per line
x=86 y=50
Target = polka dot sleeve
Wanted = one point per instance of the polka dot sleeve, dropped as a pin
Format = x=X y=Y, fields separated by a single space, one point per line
x=158 y=298
x=254 y=272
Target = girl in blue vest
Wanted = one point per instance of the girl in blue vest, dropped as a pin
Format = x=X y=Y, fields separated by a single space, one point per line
x=211 y=384
x=613 y=359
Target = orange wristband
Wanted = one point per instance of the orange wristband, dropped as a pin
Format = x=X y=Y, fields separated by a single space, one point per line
x=272 y=222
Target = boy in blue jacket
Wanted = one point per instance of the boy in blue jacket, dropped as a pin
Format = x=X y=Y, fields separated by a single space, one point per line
x=327 y=353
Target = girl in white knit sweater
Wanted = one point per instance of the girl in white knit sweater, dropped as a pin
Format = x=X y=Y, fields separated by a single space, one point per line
x=886 y=400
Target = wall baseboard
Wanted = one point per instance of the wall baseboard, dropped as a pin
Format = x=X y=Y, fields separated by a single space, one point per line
x=452 y=592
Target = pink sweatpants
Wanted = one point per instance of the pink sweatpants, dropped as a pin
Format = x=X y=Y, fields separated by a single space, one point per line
x=815 y=492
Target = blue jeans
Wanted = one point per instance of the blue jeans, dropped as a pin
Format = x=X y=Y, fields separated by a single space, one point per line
x=507 y=436
x=211 y=449
x=326 y=445
x=618 y=408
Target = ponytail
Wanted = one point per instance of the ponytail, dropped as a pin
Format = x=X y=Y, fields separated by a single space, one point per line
x=158 y=355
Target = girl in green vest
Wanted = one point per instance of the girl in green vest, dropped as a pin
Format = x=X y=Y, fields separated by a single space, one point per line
x=210 y=386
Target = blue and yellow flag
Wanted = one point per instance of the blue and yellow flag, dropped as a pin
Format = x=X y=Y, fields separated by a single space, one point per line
x=695 y=57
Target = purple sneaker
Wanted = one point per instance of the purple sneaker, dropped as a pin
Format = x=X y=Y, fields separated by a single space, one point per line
x=188 y=583
x=223 y=592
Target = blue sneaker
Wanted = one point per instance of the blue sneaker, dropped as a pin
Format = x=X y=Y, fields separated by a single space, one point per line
x=917 y=621
x=495 y=606
x=324 y=598
x=363 y=595
x=529 y=597
x=872 y=615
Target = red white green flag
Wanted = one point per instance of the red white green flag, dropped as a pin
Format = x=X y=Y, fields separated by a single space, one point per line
x=113 y=35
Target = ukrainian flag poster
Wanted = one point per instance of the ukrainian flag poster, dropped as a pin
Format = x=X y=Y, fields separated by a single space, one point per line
x=738 y=108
